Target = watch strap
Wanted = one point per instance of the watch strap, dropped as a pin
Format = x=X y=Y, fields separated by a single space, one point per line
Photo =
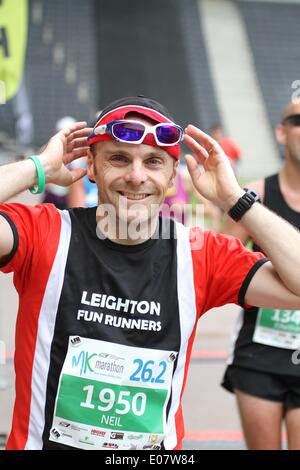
x=243 y=204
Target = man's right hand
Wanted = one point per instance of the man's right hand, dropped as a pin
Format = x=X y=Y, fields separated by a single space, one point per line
x=64 y=147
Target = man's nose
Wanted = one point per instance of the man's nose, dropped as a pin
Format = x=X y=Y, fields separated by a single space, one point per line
x=136 y=174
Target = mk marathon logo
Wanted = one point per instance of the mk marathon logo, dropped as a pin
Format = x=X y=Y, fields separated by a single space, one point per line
x=97 y=363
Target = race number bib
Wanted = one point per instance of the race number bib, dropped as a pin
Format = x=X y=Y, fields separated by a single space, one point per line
x=112 y=396
x=280 y=328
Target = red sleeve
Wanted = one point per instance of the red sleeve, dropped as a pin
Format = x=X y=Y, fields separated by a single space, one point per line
x=32 y=227
x=223 y=269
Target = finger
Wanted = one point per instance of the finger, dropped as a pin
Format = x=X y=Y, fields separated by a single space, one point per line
x=206 y=140
x=200 y=152
x=76 y=153
x=193 y=168
x=77 y=174
x=79 y=133
x=77 y=126
x=76 y=143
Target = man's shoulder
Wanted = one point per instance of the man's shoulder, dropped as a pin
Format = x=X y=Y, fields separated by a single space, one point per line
x=21 y=207
x=27 y=214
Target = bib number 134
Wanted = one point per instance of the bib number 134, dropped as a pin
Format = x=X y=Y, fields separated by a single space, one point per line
x=287 y=316
x=122 y=402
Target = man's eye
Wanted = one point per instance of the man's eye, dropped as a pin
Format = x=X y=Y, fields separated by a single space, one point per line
x=154 y=161
x=119 y=159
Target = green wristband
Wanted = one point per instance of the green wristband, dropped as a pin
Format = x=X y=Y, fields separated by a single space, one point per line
x=40 y=174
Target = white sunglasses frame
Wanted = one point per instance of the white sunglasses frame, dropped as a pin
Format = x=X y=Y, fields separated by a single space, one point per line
x=102 y=129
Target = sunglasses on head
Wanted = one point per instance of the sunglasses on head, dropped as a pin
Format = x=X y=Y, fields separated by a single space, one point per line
x=134 y=132
x=294 y=120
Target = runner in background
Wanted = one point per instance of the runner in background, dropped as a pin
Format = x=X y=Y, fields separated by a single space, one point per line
x=263 y=372
x=84 y=192
x=176 y=199
x=229 y=146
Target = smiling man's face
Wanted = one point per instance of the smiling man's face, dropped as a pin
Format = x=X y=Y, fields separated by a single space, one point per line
x=132 y=178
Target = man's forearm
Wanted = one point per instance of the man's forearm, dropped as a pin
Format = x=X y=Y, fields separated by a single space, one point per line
x=279 y=240
x=15 y=178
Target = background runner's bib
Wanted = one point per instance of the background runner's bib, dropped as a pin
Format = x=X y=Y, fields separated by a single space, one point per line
x=112 y=396
x=280 y=328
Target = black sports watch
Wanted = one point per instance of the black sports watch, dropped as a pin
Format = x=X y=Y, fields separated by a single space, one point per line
x=244 y=204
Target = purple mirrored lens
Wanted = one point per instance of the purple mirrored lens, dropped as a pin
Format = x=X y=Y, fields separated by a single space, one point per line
x=167 y=134
x=128 y=132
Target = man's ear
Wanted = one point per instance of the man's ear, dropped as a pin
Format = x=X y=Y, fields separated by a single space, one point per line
x=173 y=177
x=280 y=134
x=90 y=166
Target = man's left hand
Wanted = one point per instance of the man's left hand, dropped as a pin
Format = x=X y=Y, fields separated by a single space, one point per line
x=217 y=182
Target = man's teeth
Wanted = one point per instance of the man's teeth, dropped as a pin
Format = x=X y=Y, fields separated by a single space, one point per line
x=133 y=195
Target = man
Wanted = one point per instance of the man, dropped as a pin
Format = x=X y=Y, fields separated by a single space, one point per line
x=265 y=375
x=106 y=324
x=229 y=146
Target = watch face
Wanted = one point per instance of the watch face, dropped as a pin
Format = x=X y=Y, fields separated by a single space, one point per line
x=253 y=193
